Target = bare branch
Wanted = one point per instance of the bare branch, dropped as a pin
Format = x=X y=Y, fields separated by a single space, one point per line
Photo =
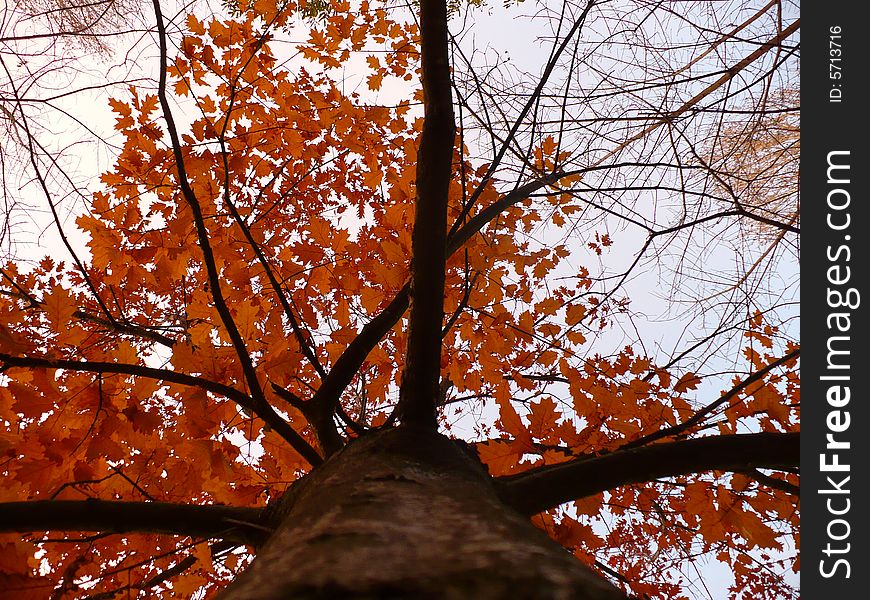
x=34 y=362
x=772 y=482
x=207 y=521
x=43 y=185
x=533 y=99
x=549 y=486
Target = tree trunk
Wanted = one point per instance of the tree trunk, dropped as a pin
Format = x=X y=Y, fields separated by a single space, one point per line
x=407 y=513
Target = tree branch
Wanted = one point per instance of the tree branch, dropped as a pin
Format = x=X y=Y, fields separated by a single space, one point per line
x=33 y=362
x=348 y=364
x=418 y=395
x=178 y=568
x=242 y=399
x=706 y=410
x=773 y=482
x=43 y=185
x=372 y=333
x=549 y=486
x=260 y=406
x=533 y=99
x=126 y=328
x=123 y=328
x=318 y=414
x=480 y=220
x=239 y=524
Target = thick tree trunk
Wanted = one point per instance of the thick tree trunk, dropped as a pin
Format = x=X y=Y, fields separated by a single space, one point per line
x=407 y=513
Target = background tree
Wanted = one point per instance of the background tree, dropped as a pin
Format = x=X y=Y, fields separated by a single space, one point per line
x=293 y=280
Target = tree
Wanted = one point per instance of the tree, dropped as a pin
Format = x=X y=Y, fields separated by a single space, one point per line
x=290 y=289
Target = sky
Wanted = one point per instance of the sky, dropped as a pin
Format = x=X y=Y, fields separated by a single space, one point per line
x=510 y=37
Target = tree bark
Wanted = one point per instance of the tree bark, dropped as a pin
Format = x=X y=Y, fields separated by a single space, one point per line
x=407 y=513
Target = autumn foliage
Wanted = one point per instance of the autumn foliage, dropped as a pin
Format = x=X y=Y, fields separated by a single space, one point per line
x=240 y=313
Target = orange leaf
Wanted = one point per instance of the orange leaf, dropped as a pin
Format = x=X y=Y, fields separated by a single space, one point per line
x=689 y=381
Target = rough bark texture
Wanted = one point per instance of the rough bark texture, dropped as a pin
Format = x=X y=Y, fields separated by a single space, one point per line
x=407 y=513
